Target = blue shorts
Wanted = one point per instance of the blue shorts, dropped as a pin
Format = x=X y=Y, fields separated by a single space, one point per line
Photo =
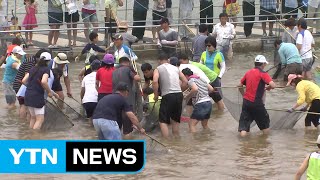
x=107 y=129
x=202 y=111
x=89 y=17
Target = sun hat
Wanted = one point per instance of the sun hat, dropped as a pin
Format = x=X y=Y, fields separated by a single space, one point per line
x=108 y=59
x=318 y=140
x=117 y=36
x=46 y=56
x=18 y=50
x=261 y=59
x=292 y=77
x=61 y=58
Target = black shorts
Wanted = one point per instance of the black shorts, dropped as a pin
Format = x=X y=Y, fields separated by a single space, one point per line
x=170 y=108
x=68 y=18
x=267 y=14
x=217 y=94
x=20 y=100
x=101 y=95
x=89 y=107
x=253 y=112
x=126 y=124
x=156 y=17
x=56 y=85
x=55 y=18
x=314 y=118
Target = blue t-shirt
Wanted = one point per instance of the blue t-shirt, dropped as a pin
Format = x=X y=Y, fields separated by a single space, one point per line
x=9 y=72
x=111 y=107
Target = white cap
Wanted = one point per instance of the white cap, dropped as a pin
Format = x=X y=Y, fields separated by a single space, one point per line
x=46 y=55
x=261 y=59
x=318 y=140
x=18 y=50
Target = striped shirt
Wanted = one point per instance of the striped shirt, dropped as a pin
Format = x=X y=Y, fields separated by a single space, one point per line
x=24 y=68
x=203 y=92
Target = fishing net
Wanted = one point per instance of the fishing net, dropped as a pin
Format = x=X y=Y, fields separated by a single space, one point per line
x=150 y=120
x=154 y=146
x=55 y=119
x=71 y=112
x=279 y=119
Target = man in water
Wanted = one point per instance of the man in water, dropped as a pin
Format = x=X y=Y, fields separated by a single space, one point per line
x=147 y=70
x=168 y=76
x=312 y=163
x=253 y=106
x=108 y=112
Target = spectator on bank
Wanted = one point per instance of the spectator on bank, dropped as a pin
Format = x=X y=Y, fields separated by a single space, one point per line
x=55 y=15
x=224 y=33
x=169 y=10
x=185 y=15
x=267 y=11
x=30 y=20
x=313 y=12
x=291 y=8
x=168 y=38
x=111 y=7
x=159 y=11
x=206 y=13
x=232 y=8
x=198 y=43
x=128 y=39
x=248 y=9
x=89 y=15
x=71 y=18
x=140 y=9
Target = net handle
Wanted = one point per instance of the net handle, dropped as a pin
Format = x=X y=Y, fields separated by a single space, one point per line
x=285 y=110
x=153 y=138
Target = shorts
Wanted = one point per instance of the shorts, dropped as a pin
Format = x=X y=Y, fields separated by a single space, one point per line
x=267 y=14
x=89 y=17
x=294 y=68
x=252 y=111
x=55 y=18
x=126 y=124
x=20 y=100
x=56 y=85
x=156 y=17
x=170 y=107
x=9 y=93
x=36 y=111
x=107 y=129
x=74 y=17
x=307 y=64
x=314 y=118
x=217 y=94
x=202 y=111
x=89 y=107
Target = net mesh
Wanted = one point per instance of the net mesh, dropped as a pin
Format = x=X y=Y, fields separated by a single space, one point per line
x=74 y=113
x=279 y=119
x=55 y=119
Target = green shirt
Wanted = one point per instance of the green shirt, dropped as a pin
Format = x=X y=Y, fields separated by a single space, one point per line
x=208 y=72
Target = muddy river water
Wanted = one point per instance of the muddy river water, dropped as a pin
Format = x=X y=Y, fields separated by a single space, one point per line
x=215 y=154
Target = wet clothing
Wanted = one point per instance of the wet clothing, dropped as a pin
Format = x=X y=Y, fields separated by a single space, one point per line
x=253 y=112
x=34 y=96
x=314 y=166
x=104 y=75
x=90 y=107
x=307 y=64
x=307 y=91
x=196 y=71
x=214 y=61
x=23 y=69
x=255 y=81
x=111 y=107
x=107 y=129
x=201 y=111
x=9 y=72
x=171 y=107
x=289 y=54
x=169 y=79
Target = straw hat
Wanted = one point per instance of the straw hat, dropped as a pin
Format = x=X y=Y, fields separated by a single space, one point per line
x=61 y=58
x=123 y=25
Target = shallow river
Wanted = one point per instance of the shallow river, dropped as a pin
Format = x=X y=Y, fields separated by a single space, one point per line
x=217 y=154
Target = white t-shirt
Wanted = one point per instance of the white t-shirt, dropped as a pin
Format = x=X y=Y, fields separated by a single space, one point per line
x=306 y=41
x=89 y=83
x=91 y=5
x=196 y=71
